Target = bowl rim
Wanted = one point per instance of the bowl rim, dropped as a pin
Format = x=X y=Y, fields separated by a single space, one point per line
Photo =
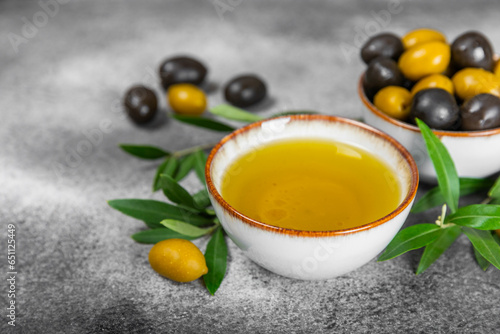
x=303 y=233
x=414 y=128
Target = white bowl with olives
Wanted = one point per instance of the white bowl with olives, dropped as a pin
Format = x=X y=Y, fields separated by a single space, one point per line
x=454 y=88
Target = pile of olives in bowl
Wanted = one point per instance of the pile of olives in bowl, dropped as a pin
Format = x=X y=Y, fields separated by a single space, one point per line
x=451 y=87
x=183 y=77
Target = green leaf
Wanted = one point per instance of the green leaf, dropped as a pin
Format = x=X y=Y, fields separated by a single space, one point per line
x=478 y=216
x=153 y=212
x=158 y=234
x=410 y=238
x=201 y=198
x=495 y=201
x=186 y=164
x=446 y=173
x=434 y=198
x=199 y=165
x=496 y=237
x=216 y=257
x=175 y=192
x=204 y=123
x=485 y=244
x=186 y=228
x=429 y=200
x=169 y=166
x=495 y=189
x=233 y=113
x=446 y=237
x=295 y=112
x=481 y=261
x=144 y=152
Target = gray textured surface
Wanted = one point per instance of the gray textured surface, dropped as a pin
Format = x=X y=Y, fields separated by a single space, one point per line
x=78 y=270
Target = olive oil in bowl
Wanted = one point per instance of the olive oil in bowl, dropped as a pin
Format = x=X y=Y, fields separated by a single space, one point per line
x=311 y=185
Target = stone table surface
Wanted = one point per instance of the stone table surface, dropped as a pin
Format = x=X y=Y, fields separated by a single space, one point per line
x=64 y=67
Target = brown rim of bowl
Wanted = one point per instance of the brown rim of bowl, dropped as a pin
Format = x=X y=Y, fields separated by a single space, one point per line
x=233 y=212
x=407 y=126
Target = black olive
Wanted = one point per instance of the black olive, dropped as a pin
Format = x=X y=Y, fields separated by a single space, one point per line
x=437 y=108
x=472 y=49
x=182 y=70
x=382 y=45
x=245 y=91
x=141 y=104
x=408 y=84
x=382 y=72
x=481 y=112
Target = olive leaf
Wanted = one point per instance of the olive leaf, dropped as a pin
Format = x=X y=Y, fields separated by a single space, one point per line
x=410 y=238
x=176 y=193
x=496 y=237
x=446 y=173
x=294 y=113
x=484 y=243
x=478 y=216
x=216 y=258
x=158 y=234
x=203 y=122
x=481 y=261
x=186 y=228
x=434 y=198
x=495 y=189
x=144 y=151
x=446 y=237
x=186 y=164
x=201 y=198
x=168 y=167
x=153 y=212
x=233 y=113
x=200 y=160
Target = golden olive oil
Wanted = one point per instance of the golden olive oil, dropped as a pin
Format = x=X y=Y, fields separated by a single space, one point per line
x=311 y=185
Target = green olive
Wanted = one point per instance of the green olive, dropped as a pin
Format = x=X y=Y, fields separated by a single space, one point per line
x=425 y=59
x=434 y=81
x=497 y=69
x=187 y=99
x=393 y=101
x=178 y=259
x=420 y=36
x=470 y=82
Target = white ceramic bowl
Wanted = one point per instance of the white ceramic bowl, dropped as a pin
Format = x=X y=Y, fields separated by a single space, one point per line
x=475 y=153
x=310 y=255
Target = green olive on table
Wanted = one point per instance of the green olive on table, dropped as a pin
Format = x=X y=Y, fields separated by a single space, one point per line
x=187 y=99
x=177 y=259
